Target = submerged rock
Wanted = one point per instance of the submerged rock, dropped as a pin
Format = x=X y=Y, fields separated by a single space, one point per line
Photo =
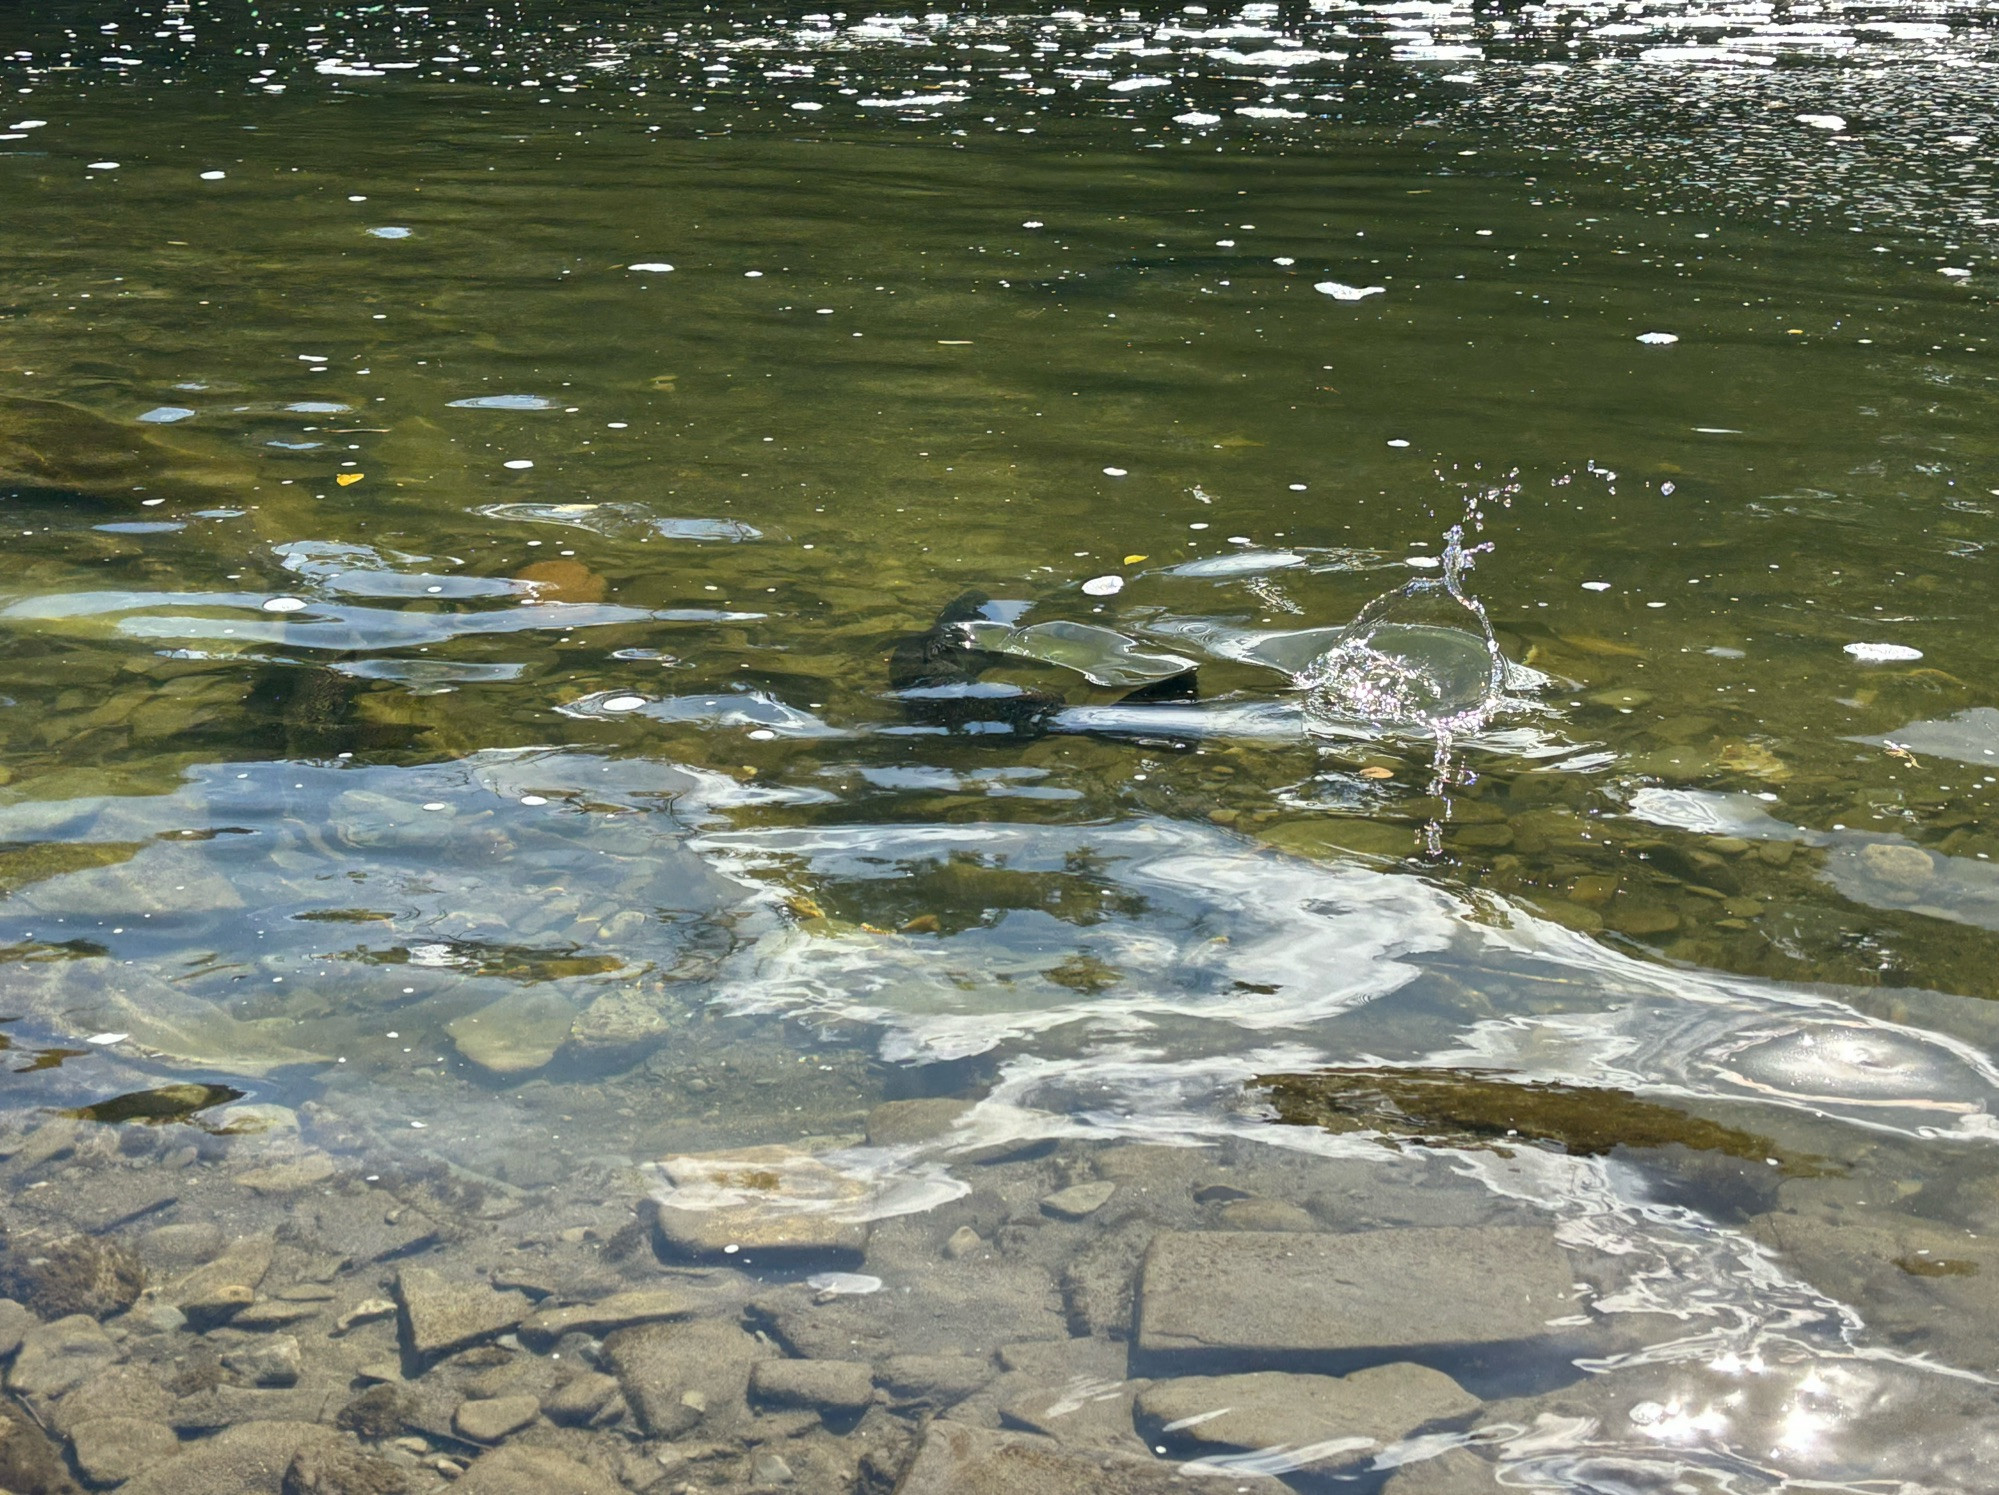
x=217 y=1291
x=276 y=1361
x=580 y=1400
x=533 y=1471
x=606 y=1315
x=1078 y=1201
x=155 y=1107
x=1302 y=1300
x=520 y=1032
x=762 y=1201
x=1483 y=1108
x=956 y=1459
x=677 y=1377
x=834 y=1386
x=111 y=1450
x=335 y=1469
x=55 y=1357
x=935 y=1381
x=1455 y=1471
x=1320 y=1422
x=440 y=1315
x=248 y=1459
x=489 y=1419
x=294 y=1177
x=15 y=1321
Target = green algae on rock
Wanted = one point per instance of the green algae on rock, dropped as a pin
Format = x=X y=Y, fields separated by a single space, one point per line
x=1491 y=1110
x=160 y=1106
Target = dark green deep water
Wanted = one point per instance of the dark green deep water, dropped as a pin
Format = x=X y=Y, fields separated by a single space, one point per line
x=524 y=777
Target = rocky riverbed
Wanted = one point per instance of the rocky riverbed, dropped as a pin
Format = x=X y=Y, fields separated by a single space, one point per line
x=275 y=1304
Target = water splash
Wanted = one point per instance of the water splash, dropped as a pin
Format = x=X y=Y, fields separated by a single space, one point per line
x=1420 y=660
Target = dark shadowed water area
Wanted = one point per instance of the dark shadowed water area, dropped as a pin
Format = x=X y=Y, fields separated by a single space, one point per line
x=771 y=749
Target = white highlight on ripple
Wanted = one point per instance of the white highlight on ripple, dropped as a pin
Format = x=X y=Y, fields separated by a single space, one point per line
x=1883 y=653
x=1342 y=292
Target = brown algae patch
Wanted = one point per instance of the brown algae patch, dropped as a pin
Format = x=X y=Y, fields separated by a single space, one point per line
x=1488 y=1109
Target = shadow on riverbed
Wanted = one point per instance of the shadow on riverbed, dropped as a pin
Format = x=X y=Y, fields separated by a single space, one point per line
x=50 y=449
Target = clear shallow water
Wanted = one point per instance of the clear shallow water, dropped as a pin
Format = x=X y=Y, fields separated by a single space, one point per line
x=480 y=727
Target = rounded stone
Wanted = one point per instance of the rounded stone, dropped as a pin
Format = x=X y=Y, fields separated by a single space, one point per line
x=491 y=1419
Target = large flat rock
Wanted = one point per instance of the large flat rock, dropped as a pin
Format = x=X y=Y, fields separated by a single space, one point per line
x=440 y=1315
x=677 y=1377
x=958 y=1459
x=1312 y=1421
x=249 y=1459
x=606 y=1315
x=533 y=1471
x=1253 y=1300
x=759 y=1202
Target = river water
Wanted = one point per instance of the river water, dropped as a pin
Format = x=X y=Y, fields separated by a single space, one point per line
x=468 y=471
